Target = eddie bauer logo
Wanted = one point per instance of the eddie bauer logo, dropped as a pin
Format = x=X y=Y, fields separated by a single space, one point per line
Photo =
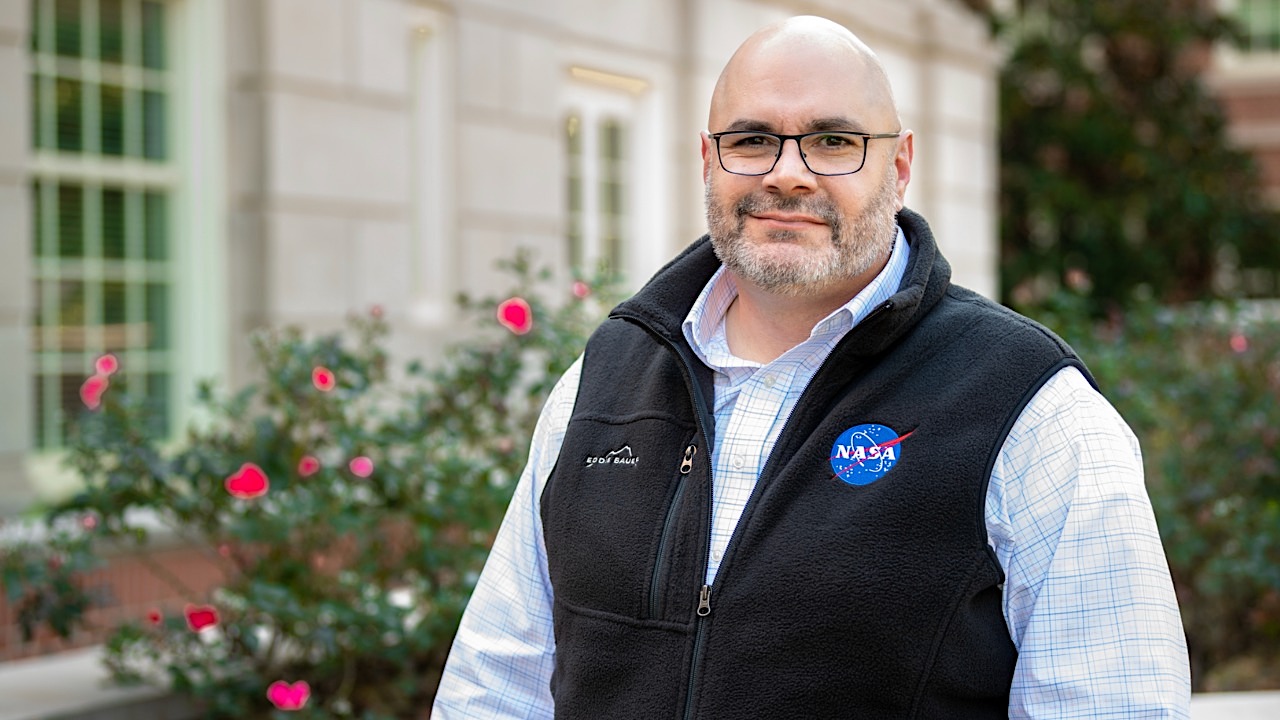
x=621 y=456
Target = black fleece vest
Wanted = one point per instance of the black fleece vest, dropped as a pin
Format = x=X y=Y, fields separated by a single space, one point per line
x=833 y=600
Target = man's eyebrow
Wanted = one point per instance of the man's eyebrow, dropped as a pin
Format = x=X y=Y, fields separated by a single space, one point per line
x=834 y=124
x=827 y=124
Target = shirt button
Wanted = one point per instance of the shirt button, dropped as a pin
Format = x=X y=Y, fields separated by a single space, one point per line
x=715 y=556
x=769 y=380
x=739 y=461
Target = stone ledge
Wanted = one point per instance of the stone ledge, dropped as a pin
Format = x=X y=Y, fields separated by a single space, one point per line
x=75 y=686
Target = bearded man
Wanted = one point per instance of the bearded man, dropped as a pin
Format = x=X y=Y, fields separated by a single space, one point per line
x=852 y=489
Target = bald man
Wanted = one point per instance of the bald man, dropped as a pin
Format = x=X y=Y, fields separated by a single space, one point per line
x=801 y=475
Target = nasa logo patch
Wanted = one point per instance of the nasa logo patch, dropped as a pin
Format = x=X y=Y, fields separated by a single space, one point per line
x=865 y=453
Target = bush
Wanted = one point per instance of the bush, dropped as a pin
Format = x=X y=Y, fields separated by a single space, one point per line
x=1200 y=387
x=351 y=511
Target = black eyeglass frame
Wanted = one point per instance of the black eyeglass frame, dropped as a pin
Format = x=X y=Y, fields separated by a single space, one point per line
x=782 y=141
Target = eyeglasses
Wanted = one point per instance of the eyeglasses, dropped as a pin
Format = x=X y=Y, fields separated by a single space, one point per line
x=824 y=153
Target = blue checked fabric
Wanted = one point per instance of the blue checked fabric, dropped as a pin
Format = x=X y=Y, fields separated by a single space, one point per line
x=1088 y=599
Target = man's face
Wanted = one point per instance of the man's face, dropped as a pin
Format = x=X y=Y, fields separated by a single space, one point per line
x=791 y=232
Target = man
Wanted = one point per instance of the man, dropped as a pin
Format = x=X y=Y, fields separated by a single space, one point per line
x=800 y=475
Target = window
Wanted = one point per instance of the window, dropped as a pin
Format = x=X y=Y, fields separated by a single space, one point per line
x=1260 y=20
x=597 y=190
x=102 y=190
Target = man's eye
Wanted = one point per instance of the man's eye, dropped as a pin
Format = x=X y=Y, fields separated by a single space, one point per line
x=746 y=141
x=834 y=141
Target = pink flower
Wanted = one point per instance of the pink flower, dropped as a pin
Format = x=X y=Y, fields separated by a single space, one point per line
x=1239 y=342
x=323 y=378
x=248 y=482
x=515 y=315
x=361 y=466
x=289 y=697
x=309 y=465
x=106 y=365
x=376 y=312
x=154 y=617
x=92 y=389
x=89 y=522
x=581 y=290
x=200 y=617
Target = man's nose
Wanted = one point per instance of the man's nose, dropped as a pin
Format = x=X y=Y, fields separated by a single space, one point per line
x=790 y=173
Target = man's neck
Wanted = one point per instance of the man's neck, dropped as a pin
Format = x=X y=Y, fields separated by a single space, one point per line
x=760 y=326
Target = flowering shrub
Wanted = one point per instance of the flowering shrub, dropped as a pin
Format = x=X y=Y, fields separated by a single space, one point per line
x=351 y=510
x=1201 y=389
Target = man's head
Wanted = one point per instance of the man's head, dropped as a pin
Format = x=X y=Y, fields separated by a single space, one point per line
x=792 y=231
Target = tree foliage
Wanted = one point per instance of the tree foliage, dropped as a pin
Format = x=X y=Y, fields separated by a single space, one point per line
x=1117 y=177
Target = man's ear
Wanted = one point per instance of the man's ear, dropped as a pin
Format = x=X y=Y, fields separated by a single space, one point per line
x=902 y=163
x=708 y=152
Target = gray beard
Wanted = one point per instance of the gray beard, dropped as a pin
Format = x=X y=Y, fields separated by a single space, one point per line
x=856 y=243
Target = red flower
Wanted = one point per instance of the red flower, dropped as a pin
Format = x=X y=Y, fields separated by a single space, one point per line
x=106 y=365
x=200 y=617
x=516 y=315
x=248 y=482
x=154 y=617
x=581 y=289
x=1239 y=342
x=289 y=697
x=323 y=378
x=92 y=389
x=309 y=465
x=361 y=466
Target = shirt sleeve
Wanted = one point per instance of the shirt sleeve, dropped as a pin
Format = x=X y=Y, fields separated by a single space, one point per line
x=1088 y=597
x=500 y=665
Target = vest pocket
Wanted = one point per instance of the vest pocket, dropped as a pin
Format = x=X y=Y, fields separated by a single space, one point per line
x=615 y=513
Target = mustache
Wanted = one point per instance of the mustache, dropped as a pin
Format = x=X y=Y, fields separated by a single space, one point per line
x=814 y=206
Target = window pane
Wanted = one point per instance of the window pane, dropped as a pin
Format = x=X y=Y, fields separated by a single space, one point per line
x=69 y=406
x=37 y=399
x=70 y=221
x=70 y=109
x=112 y=120
x=153 y=128
x=158 y=316
x=156 y=228
x=71 y=309
x=37 y=222
x=37 y=25
x=113 y=303
x=153 y=55
x=113 y=223
x=67 y=27
x=158 y=401
x=111 y=30
x=37 y=124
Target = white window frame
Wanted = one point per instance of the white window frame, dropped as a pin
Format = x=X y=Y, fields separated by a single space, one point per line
x=594 y=96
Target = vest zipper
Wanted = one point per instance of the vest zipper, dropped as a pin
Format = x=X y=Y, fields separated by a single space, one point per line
x=668 y=526
x=704 y=609
x=704 y=418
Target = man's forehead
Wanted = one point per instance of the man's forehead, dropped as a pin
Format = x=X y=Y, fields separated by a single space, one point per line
x=804 y=78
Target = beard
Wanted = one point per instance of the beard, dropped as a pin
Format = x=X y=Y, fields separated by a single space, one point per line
x=856 y=243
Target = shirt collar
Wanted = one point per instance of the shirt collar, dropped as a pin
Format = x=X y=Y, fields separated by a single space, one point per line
x=704 y=325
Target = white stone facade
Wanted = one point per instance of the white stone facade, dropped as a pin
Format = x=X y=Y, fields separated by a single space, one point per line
x=342 y=153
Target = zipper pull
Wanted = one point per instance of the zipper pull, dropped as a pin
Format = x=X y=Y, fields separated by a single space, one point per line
x=687 y=464
x=704 y=601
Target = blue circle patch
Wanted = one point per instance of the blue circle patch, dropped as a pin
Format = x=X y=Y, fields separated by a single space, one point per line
x=865 y=453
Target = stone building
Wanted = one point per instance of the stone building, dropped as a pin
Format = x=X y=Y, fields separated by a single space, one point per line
x=177 y=173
